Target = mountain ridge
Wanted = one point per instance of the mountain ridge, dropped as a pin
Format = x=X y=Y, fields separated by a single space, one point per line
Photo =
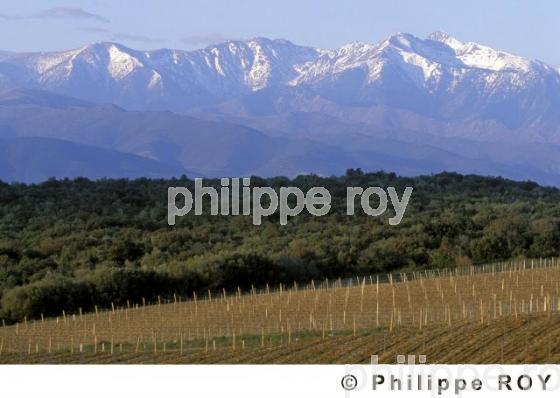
x=440 y=78
x=36 y=159
x=295 y=144
x=405 y=103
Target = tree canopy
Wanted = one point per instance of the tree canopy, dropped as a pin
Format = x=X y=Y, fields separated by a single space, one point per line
x=73 y=244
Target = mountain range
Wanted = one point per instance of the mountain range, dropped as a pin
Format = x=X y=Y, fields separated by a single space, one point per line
x=271 y=107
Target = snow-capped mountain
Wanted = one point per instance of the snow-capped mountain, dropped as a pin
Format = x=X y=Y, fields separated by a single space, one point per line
x=439 y=82
x=434 y=70
x=424 y=61
x=161 y=79
x=445 y=80
x=402 y=98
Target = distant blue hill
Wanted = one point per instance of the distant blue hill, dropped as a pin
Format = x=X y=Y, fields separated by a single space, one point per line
x=35 y=159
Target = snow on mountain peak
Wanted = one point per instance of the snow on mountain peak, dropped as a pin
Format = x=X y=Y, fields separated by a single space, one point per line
x=402 y=39
x=438 y=64
x=45 y=63
x=444 y=38
x=121 y=63
x=261 y=68
x=478 y=56
x=483 y=57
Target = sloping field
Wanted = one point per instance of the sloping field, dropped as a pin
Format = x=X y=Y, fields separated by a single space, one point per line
x=505 y=313
x=534 y=339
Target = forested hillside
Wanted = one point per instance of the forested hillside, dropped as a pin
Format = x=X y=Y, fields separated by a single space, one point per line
x=75 y=243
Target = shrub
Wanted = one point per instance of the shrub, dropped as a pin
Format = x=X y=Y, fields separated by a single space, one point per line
x=48 y=297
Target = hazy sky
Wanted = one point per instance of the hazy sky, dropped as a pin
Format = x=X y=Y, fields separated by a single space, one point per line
x=530 y=28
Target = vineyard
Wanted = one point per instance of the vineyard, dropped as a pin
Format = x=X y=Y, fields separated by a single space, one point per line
x=506 y=313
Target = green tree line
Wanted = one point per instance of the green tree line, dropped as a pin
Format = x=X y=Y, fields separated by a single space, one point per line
x=69 y=244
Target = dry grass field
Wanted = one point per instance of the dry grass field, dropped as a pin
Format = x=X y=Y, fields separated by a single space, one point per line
x=501 y=313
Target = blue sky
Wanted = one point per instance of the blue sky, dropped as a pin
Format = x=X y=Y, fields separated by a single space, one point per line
x=528 y=28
